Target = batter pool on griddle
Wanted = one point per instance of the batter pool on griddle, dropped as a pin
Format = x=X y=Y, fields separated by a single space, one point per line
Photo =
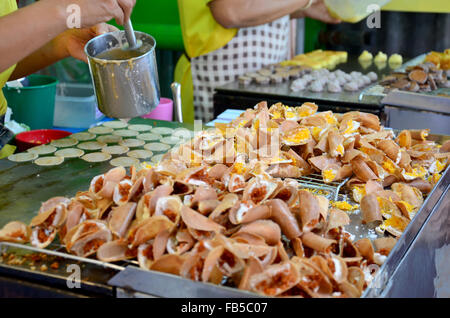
x=125 y=120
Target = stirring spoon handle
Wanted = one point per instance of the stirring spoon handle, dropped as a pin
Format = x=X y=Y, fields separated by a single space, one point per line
x=129 y=33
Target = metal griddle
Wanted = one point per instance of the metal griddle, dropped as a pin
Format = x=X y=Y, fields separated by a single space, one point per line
x=23 y=186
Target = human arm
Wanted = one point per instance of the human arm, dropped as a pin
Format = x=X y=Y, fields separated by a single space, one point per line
x=68 y=43
x=317 y=11
x=29 y=32
x=239 y=13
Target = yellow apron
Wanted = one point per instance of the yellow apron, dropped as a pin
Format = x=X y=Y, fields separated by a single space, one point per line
x=6 y=6
x=201 y=35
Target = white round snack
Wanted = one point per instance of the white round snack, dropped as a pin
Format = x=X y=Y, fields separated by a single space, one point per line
x=83 y=136
x=331 y=76
x=355 y=74
x=96 y=157
x=366 y=79
x=131 y=143
x=341 y=80
x=316 y=87
x=361 y=83
x=170 y=140
x=323 y=81
x=124 y=162
x=69 y=153
x=140 y=154
x=162 y=130
x=307 y=78
x=148 y=137
x=298 y=85
x=373 y=76
x=157 y=147
x=183 y=133
x=125 y=133
x=347 y=77
x=100 y=130
x=65 y=142
x=115 y=150
x=115 y=124
x=140 y=127
x=351 y=86
x=156 y=158
x=43 y=149
x=91 y=145
x=49 y=161
x=23 y=156
x=334 y=87
x=109 y=139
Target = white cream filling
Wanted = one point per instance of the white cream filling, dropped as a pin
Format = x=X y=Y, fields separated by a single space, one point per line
x=399 y=157
x=243 y=208
x=379 y=258
x=337 y=268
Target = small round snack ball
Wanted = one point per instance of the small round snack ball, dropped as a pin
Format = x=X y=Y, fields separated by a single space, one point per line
x=366 y=79
x=307 y=78
x=341 y=80
x=351 y=86
x=316 y=87
x=373 y=76
x=360 y=82
x=347 y=77
x=334 y=87
x=355 y=74
x=298 y=85
x=331 y=76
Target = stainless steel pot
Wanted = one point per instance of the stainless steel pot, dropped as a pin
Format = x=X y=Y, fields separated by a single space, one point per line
x=124 y=88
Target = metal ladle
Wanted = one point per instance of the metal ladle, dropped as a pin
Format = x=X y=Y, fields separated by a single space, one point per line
x=176 y=92
x=131 y=37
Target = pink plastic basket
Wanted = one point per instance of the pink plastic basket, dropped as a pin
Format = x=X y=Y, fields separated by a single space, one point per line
x=163 y=111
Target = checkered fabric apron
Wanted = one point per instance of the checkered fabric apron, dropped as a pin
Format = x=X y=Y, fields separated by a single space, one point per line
x=250 y=50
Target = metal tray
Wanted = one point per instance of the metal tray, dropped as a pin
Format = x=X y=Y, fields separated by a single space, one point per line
x=24 y=186
x=377 y=90
x=284 y=90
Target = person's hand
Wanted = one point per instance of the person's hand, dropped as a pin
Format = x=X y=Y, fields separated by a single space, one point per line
x=97 y=11
x=318 y=11
x=73 y=41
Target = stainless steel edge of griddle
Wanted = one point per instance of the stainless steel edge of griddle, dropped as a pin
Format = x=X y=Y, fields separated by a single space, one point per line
x=54 y=270
x=422 y=270
x=418 y=102
x=157 y=284
x=385 y=272
x=60 y=254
